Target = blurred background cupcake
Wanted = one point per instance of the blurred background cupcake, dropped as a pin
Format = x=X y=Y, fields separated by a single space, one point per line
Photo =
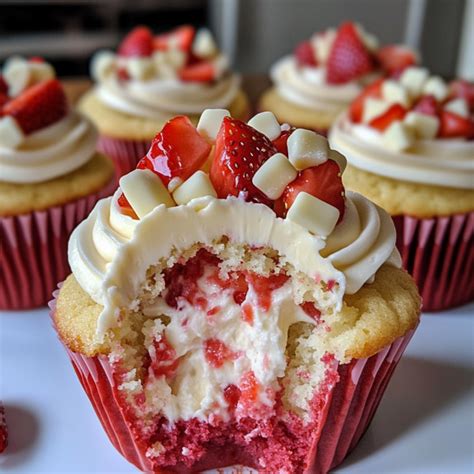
x=50 y=178
x=409 y=144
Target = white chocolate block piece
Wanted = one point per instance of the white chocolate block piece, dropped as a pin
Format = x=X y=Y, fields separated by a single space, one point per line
x=458 y=106
x=398 y=136
x=176 y=58
x=266 y=123
x=204 y=45
x=210 y=122
x=307 y=148
x=394 y=93
x=317 y=216
x=424 y=126
x=322 y=44
x=11 y=135
x=198 y=185
x=374 y=108
x=17 y=75
x=174 y=183
x=140 y=68
x=102 y=64
x=274 y=175
x=413 y=78
x=370 y=41
x=339 y=158
x=437 y=87
x=144 y=191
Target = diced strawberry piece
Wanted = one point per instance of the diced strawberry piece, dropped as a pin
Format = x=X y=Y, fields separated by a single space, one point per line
x=247 y=313
x=348 y=58
x=304 y=54
x=217 y=353
x=264 y=286
x=199 y=72
x=311 y=310
x=323 y=181
x=453 y=125
x=163 y=358
x=249 y=389
x=395 y=58
x=181 y=38
x=177 y=151
x=138 y=43
x=232 y=396
x=464 y=90
x=394 y=112
x=123 y=74
x=356 y=109
x=280 y=142
x=240 y=150
x=39 y=106
x=427 y=105
x=125 y=207
x=3 y=86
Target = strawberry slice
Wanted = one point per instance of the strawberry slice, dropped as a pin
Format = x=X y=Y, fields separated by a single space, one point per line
x=280 y=142
x=394 y=58
x=240 y=150
x=356 y=109
x=39 y=106
x=464 y=90
x=427 y=105
x=138 y=43
x=181 y=38
x=304 y=54
x=177 y=151
x=3 y=86
x=323 y=181
x=200 y=72
x=125 y=207
x=453 y=125
x=394 y=112
x=349 y=58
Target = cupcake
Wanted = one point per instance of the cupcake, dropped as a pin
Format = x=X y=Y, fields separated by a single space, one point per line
x=409 y=143
x=50 y=179
x=149 y=80
x=207 y=331
x=325 y=73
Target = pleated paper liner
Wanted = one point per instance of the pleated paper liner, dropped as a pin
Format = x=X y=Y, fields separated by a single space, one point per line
x=34 y=250
x=3 y=429
x=348 y=409
x=439 y=254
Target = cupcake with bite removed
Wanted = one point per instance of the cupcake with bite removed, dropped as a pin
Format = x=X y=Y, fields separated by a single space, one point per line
x=50 y=179
x=232 y=304
x=325 y=73
x=150 y=79
x=410 y=147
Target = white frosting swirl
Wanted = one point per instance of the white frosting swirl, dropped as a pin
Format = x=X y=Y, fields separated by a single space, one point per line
x=51 y=152
x=442 y=162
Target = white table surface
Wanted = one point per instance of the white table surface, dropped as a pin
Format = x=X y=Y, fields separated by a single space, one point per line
x=425 y=423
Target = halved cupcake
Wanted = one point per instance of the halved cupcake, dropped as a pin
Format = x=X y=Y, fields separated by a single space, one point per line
x=208 y=331
x=149 y=80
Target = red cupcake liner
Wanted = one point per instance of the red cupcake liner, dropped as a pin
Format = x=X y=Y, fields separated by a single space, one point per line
x=439 y=254
x=346 y=415
x=124 y=153
x=3 y=429
x=34 y=250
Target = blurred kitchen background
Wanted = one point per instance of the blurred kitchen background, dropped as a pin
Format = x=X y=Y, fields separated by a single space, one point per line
x=253 y=32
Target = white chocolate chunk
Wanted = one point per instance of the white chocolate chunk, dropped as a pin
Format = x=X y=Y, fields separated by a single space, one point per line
x=174 y=183
x=198 y=185
x=398 y=136
x=17 y=75
x=220 y=64
x=11 y=135
x=317 y=216
x=458 y=106
x=140 y=68
x=176 y=58
x=374 y=108
x=266 y=123
x=394 y=93
x=322 y=44
x=307 y=148
x=370 y=41
x=144 y=191
x=102 y=64
x=437 y=87
x=424 y=126
x=339 y=158
x=41 y=71
x=204 y=45
x=413 y=78
x=210 y=122
x=274 y=175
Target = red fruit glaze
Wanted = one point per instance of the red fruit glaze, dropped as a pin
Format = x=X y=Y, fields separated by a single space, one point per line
x=125 y=207
x=38 y=106
x=163 y=358
x=182 y=38
x=217 y=353
x=304 y=54
x=263 y=287
x=453 y=125
x=199 y=72
x=311 y=310
x=177 y=151
x=464 y=90
x=240 y=150
x=427 y=105
x=395 y=58
x=280 y=143
x=394 y=112
x=138 y=43
x=349 y=58
x=357 y=107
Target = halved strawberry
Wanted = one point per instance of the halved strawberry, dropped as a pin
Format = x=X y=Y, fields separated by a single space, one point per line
x=181 y=38
x=304 y=54
x=177 y=151
x=322 y=181
x=3 y=86
x=240 y=150
x=464 y=90
x=427 y=105
x=138 y=43
x=281 y=142
x=39 y=106
x=394 y=58
x=349 y=58
x=356 y=109
x=3 y=100
x=36 y=59
x=125 y=207
x=199 y=72
x=394 y=112
x=453 y=125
